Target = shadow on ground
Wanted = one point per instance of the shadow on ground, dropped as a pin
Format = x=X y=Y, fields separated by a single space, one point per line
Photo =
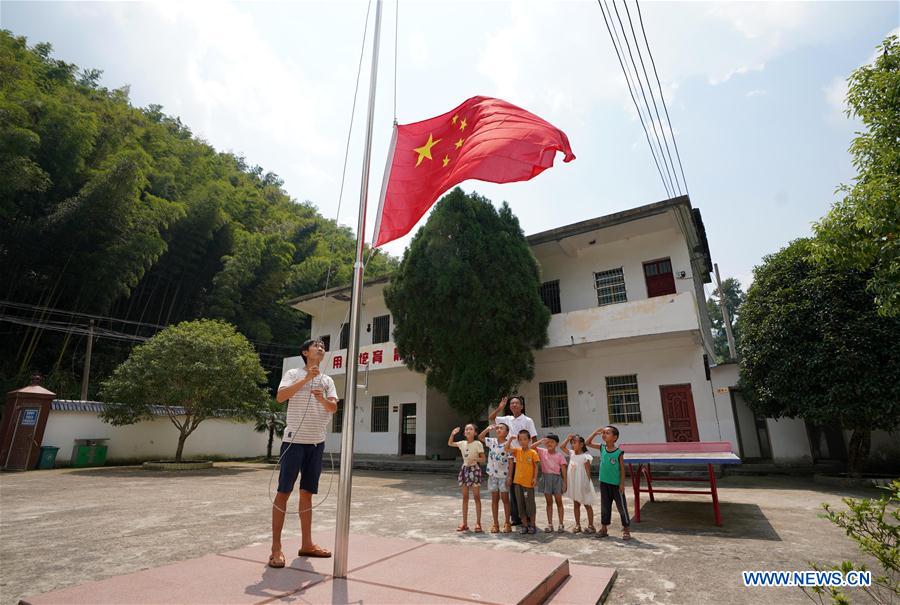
x=138 y=472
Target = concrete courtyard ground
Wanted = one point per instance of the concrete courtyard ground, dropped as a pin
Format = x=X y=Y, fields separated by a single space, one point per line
x=67 y=526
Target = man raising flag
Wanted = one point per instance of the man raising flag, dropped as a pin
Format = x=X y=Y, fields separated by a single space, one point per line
x=484 y=138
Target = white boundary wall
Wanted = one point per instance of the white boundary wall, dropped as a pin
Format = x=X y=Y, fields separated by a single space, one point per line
x=153 y=439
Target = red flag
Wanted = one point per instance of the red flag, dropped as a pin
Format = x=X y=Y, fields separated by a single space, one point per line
x=485 y=139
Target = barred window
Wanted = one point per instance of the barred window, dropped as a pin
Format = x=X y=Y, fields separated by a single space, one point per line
x=380 y=414
x=554 y=403
x=381 y=329
x=623 y=400
x=610 y=286
x=550 y=296
x=337 y=420
x=345 y=335
x=326 y=340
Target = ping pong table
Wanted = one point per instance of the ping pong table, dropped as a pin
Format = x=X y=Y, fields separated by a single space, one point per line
x=642 y=455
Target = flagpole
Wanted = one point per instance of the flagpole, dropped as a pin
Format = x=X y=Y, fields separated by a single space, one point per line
x=342 y=528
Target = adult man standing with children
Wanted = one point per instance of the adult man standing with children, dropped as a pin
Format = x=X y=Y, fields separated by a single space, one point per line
x=516 y=421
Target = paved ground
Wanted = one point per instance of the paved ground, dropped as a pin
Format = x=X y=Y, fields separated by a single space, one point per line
x=64 y=527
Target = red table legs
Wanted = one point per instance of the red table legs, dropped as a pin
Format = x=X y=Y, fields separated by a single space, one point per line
x=636 y=485
x=715 y=494
x=649 y=483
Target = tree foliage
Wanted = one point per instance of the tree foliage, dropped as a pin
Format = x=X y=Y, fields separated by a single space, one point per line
x=862 y=231
x=203 y=366
x=465 y=302
x=814 y=346
x=119 y=211
x=874 y=524
x=734 y=298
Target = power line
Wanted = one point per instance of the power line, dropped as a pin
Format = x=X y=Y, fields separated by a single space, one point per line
x=631 y=93
x=55 y=325
x=640 y=82
x=652 y=97
x=665 y=108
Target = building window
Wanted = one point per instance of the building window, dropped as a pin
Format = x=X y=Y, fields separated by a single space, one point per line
x=659 y=278
x=610 y=287
x=326 y=340
x=345 y=335
x=380 y=414
x=550 y=296
x=337 y=419
x=554 y=403
x=381 y=329
x=622 y=398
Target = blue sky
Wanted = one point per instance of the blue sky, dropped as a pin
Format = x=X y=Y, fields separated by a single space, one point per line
x=755 y=93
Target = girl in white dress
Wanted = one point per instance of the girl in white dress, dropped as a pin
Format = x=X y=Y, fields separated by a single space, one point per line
x=580 y=489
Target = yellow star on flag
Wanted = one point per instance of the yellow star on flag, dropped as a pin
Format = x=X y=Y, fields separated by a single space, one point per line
x=453 y=120
x=425 y=150
x=446 y=160
x=459 y=143
x=462 y=125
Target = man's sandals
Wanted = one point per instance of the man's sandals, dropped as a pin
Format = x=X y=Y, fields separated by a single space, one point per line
x=316 y=552
x=276 y=560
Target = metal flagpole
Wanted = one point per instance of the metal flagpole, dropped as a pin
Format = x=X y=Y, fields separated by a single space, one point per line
x=342 y=529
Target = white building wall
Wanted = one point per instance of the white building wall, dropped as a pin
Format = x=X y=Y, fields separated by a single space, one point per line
x=657 y=362
x=152 y=439
x=576 y=274
x=401 y=386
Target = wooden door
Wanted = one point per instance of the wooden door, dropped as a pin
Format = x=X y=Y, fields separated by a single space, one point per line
x=408 y=428
x=678 y=413
x=659 y=278
x=22 y=455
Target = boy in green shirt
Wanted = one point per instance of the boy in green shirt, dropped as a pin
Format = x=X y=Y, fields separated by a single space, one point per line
x=612 y=480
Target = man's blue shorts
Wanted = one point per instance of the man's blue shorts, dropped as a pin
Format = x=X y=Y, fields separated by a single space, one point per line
x=304 y=459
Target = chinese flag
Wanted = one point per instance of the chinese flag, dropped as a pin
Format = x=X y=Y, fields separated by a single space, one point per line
x=485 y=139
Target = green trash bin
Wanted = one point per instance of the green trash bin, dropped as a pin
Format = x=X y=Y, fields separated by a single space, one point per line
x=48 y=457
x=89 y=452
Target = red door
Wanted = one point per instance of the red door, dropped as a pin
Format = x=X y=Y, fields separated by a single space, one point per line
x=659 y=278
x=678 y=413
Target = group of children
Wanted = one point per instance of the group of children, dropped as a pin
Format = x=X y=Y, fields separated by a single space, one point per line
x=514 y=461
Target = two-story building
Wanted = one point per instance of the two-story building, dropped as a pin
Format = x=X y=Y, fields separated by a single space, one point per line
x=629 y=341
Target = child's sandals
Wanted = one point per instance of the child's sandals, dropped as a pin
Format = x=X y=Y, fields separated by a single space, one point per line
x=626 y=534
x=462 y=527
x=495 y=529
x=549 y=529
x=590 y=529
x=602 y=533
x=523 y=530
x=507 y=528
x=560 y=529
x=478 y=529
x=576 y=529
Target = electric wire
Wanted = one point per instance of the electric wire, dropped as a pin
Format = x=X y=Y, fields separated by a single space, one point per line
x=640 y=83
x=665 y=108
x=631 y=93
x=652 y=97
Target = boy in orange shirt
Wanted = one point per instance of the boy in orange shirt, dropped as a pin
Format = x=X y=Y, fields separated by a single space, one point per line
x=527 y=464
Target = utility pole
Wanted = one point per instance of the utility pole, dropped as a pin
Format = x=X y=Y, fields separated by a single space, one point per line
x=726 y=319
x=86 y=374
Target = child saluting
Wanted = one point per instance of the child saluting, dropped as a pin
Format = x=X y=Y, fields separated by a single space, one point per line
x=612 y=480
x=527 y=464
x=469 y=474
x=498 y=471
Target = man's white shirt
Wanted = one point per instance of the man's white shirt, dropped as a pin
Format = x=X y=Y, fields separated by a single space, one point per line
x=516 y=424
x=306 y=418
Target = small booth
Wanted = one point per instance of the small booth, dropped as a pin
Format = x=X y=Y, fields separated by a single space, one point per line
x=22 y=426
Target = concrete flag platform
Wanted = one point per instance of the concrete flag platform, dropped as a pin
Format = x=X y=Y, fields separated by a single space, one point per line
x=380 y=570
